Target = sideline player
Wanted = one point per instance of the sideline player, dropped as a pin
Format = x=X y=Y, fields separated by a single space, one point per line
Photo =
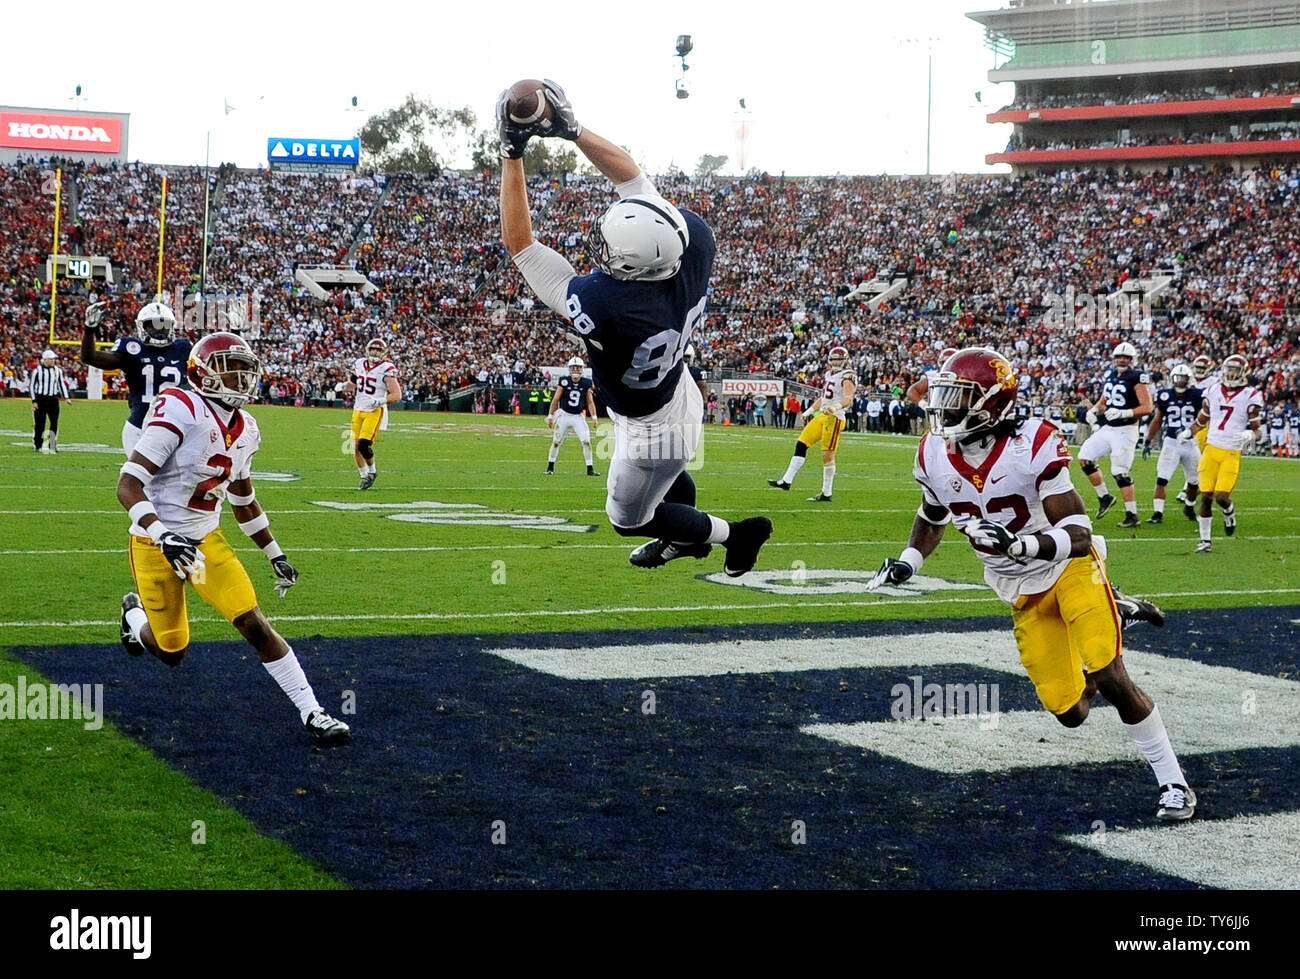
x=635 y=315
x=153 y=358
x=1007 y=486
x=1278 y=431
x=1177 y=406
x=838 y=388
x=196 y=448
x=572 y=397
x=916 y=393
x=1125 y=397
x=374 y=382
x=1231 y=411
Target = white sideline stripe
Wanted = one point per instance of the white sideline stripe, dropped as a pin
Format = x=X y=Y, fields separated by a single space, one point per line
x=1241 y=853
x=628 y=609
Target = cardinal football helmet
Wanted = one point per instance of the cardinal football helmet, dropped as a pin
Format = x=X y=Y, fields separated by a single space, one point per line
x=639 y=239
x=837 y=357
x=1233 y=371
x=376 y=350
x=155 y=324
x=1202 y=367
x=973 y=392
x=223 y=367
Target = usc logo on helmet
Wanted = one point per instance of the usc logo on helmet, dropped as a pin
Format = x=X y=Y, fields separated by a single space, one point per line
x=1004 y=374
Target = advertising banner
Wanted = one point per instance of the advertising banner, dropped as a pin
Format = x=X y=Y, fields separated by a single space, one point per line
x=57 y=133
x=770 y=386
x=307 y=155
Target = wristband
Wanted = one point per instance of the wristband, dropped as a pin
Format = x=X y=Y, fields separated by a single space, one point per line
x=141 y=510
x=1030 y=543
x=1061 y=537
x=259 y=522
x=156 y=530
x=272 y=551
x=912 y=557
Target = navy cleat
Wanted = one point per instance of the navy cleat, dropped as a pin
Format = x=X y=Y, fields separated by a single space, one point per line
x=368 y=480
x=743 y=544
x=657 y=553
x=1136 y=609
x=1130 y=520
x=129 y=642
x=819 y=498
x=1105 y=505
x=591 y=471
x=1156 y=518
x=779 y=484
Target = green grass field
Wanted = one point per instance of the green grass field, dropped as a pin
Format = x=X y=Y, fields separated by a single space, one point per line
x=95 y=811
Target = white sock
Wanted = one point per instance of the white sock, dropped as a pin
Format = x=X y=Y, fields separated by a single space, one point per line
x=372 y=469
x=828 y=479
x=1207 y=526
x=363 y=470
x=1150 y=736
x=553 y=454
x=796 y=463
x=293 y=681
x=586 y=452
x=720 y=532
x=1101 y=490
x=1158 y=505
x=136 y=620
x=1130 y=506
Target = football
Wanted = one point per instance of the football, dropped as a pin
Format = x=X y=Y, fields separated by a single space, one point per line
x=526 y=104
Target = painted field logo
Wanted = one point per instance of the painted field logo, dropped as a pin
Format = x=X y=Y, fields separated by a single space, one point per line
x=53 y=702
x=832 y=581
x=473 y=514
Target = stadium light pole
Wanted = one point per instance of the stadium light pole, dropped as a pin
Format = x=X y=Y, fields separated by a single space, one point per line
x=929 y=88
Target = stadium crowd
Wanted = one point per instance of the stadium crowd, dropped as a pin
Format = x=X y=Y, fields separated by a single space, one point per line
x=1013 y=263
x=1141 y=96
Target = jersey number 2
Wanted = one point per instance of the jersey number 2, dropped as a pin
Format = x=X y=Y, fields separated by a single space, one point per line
x=207 y=492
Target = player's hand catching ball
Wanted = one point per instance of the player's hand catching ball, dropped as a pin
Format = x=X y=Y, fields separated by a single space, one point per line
x=563 y=123
x=513 y=138
x=286 y=575
x=95 y=315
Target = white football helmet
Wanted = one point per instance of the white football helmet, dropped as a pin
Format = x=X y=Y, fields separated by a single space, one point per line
x=576 y=368
x=1124 y=350
x=639 y=239
x=376 y=350
x=1182 y=377
x=1233 y=371
x=155 y=324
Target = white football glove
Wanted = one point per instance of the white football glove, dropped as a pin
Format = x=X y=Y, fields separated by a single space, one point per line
x=1246 y=440
x=1185 y=435
x=1118 y=414
x=990 y=534
x=893 y=572
x=182 y=554
x=1092 y=417
x=95 y=315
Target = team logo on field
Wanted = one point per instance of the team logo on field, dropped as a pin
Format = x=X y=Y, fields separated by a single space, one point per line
x=472 y=514
x=831 y=581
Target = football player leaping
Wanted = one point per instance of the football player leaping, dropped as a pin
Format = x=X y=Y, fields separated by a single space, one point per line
x=827 y=423
x=1177 y=407
x=635 y=314
x=1231 y=411
x=196 y=448
x=572 y=397
x=374 y=382
x=1125 y=397
x=150 y=360
x=1007 y=486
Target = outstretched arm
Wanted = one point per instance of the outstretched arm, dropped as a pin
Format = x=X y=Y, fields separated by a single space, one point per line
x=613 y=161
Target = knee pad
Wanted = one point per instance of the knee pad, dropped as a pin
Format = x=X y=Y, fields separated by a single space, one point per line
x=1088 y=468
x=1159 y=481
x=366 y=448
x=1123 y=479
x=800 y=449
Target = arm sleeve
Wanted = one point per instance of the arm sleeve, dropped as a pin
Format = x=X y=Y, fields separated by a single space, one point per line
x=548 y=274
x=640 y=184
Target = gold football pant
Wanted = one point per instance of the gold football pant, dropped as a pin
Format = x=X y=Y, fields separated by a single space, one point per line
x=224 y=584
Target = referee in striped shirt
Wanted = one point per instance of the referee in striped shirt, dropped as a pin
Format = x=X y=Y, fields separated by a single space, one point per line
x=47 y=385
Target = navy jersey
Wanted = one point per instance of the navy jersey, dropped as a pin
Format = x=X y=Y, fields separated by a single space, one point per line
x=150 y=369
x=1178 y=410
x=1022 y=412
x=1277 y=421
x=636 y=332
x=573 y=397
x=1119 y=388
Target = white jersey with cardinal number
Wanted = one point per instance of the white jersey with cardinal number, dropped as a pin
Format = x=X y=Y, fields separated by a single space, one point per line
x=197 y=454
x=833 y=390
x=1007 y=487
x=372 y=383
x=1230 y=414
